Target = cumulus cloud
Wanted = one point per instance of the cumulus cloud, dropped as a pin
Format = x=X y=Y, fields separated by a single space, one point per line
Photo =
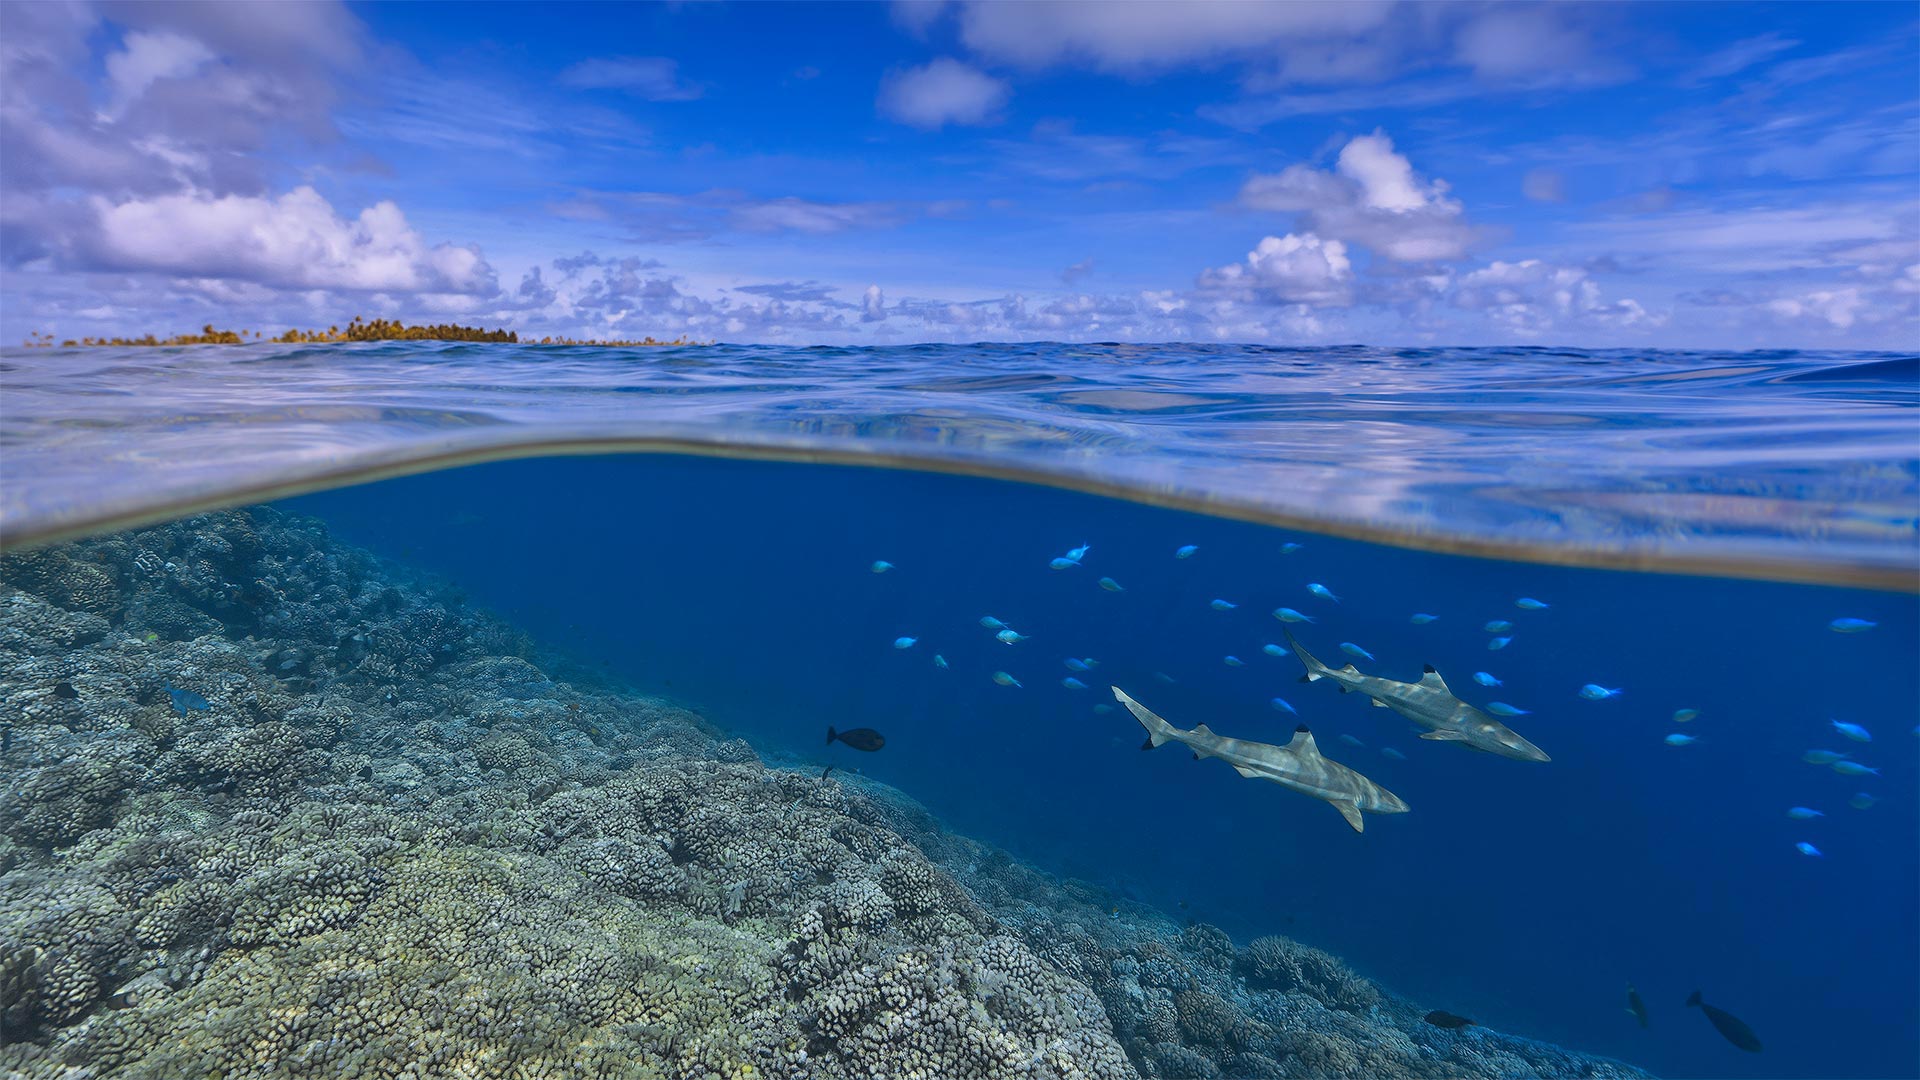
x=295 y=242
x=145 y=58
x=1290 y=269
x=1838 y=308
x=873 y=305
x=655 y=78
x=943 y=92
x=1531 y=297
x=1373 y=198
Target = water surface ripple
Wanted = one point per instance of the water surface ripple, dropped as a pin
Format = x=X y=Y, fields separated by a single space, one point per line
x=1792 y=465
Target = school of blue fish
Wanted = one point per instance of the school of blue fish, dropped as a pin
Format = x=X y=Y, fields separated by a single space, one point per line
x=1428 y=703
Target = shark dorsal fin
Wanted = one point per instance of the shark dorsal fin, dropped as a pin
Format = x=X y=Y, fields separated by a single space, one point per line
x=1350 y=670
x=1203 y=730
x=1432 y=680
x=1303 y=743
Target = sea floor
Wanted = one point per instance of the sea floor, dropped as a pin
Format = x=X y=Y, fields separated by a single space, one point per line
x=274 y=807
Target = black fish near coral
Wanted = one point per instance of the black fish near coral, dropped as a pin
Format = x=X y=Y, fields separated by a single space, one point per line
x=65 y=691
x=861 y=738
x=1635 y=1006
x=1734 y=1029
x=1440 y=1018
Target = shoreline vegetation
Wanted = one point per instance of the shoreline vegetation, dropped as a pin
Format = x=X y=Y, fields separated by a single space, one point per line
x=360 y=329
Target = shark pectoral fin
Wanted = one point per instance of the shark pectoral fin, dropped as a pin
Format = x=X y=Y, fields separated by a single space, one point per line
x=1378 y=704
x=1445 y=735
x=1351 y=812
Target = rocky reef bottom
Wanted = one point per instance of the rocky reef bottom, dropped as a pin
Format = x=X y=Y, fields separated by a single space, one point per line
x=274 y=807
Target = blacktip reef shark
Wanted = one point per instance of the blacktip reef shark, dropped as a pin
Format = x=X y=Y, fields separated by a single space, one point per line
x=1297 y=765
x=1428 y=703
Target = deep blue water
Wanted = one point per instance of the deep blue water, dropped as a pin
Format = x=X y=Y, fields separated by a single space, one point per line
x=1524 y=895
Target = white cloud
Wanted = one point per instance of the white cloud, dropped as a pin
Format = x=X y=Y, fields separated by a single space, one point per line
x=1290 y=269
x=873 y=305
x=1510 y=42
x=294 y=242
x=1531 y=297
x=1372 y=198
x=655 y=78
x=943 y=92
x=804 y=215
x=1838 y=308
x=1149 y=34
x=146 y=58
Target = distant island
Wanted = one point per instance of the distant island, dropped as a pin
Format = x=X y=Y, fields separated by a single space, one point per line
x=360 y=329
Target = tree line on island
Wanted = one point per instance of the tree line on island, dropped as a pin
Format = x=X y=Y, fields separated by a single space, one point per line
x=360 y=329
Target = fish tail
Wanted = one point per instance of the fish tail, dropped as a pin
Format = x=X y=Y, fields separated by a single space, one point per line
x=831 y=734
x=1158 y=730
x=1693 y=998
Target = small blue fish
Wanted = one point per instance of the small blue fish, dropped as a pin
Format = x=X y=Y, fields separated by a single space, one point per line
x=1421 y=618
x=1163 y=677
x=1501 y=708
x=1222 y=605
x=1287 y=614
x=1485 y=679
x=939 y=661
x=1392 y=753
x=1103 y=708
x=1498 y=643
x=1005 y=679
x=1234 y=661
x=1064 y=564
x=880 y=566
x=1677 y=739
x=1351 y=649
x=1851 y=626
x=1823 y=757
x=1596 y=692
x=1805 y=848
x=1283 y=705
x=1290 y=547
x=1351 y=741
x=1498 y=626
x=1853 y=768
x=1274 y=650
x=1685 y=716
x=1528 y=603
x=1321 y=591
x=1076 y=554
x=904 y=642
x=1080 y=665
x=1862 y=801
x=1852 y=731
x=1111 y=585
x=1072 y=683
x=991 y=623
x=1801 y=813
x=185 y=700
x=1185 y=551
x=1009 y=636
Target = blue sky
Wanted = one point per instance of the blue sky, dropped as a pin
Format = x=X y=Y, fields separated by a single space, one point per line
x=1710 y=175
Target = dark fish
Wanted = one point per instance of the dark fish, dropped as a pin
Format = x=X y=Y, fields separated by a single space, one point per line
x=1442 y=1019
x=1728 y=1025
x=65 y=690
x=6 y=738
x=184 y=700
x=1635 y=1006
x=860 y=738
x=825 y=771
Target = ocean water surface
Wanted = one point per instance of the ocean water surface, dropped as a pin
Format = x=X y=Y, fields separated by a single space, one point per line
x=470 y=607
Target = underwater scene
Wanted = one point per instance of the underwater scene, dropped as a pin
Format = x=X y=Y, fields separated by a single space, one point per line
x=415 y=709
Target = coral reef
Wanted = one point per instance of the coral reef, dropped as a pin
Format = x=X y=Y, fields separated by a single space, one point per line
x=397 y=840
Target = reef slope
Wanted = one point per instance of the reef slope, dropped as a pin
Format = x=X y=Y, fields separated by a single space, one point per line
x=399 y=840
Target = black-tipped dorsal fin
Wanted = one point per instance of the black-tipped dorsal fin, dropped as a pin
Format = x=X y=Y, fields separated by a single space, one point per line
x=1432 y=680
x=1303 y=743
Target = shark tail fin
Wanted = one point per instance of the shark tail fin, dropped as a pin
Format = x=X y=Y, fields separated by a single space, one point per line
x=1315 y=669
x=831 y=734
x=1159 y=732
